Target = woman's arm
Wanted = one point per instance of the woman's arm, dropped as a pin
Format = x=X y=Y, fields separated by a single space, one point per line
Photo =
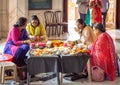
x=15 y=35
x=28 y=29
x=86 y=36
x=43 y=31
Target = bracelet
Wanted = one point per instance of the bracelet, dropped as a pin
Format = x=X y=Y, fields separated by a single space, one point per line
x=23 y=42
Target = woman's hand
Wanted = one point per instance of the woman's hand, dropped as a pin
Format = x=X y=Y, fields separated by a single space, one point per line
x=42 y=37
x=99 y=5
x=31 y=36
x=39 y=38
x=76 y=29
x=71 y=43
x=27 y=41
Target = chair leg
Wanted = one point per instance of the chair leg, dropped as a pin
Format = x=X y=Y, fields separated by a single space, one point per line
x=62 y=29
x=117 y=64
x=52 y=30
x=28 y=78
x=0 y=74
x=3 y=75
x=15 y=73
x=49 y=31
x=58 y=30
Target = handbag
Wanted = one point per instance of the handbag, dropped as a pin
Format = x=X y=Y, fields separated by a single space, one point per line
x=97 y=74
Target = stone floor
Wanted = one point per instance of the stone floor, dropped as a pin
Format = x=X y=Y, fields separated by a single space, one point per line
x=78 y=82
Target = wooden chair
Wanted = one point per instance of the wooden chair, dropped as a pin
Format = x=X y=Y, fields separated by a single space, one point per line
x=50 y=22
x=60 y=21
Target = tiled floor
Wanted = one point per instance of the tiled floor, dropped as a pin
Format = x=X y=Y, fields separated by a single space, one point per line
x=71 y=35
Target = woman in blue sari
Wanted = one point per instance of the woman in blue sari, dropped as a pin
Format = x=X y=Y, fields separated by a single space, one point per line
x=17 y=43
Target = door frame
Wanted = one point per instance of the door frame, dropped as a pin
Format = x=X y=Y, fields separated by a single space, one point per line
x=116 y=20
x=65 y=10
x=65 y=14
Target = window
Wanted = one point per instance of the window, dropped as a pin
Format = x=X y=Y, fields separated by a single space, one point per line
x=40 y=4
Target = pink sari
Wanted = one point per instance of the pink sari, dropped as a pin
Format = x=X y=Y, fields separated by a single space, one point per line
x=103 y=55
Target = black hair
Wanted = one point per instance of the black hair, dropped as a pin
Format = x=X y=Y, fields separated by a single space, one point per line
x=34 y=17
x=99 y=26
x=81 y=22
x=20 y=22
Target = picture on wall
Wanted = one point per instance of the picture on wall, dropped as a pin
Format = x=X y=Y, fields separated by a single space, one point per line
x=40 y=4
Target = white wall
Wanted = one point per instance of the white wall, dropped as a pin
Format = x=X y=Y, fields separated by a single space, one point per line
x=57 y=4
x=17 y=8
x=12 y=11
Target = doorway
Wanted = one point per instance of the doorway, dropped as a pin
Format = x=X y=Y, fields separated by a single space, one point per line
x=110 y=19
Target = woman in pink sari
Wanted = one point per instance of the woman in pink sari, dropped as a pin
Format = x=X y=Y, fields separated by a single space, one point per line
x=17 y=43
x=103 y=52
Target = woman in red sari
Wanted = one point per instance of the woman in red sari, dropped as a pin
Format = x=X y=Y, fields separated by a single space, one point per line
x=96 y=15
x=103 y=52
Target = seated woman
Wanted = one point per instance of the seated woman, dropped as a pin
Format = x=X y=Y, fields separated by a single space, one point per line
x=87 y=37
x=103 y=52
x=86 y=33
x=36 y=30
x=17 y=43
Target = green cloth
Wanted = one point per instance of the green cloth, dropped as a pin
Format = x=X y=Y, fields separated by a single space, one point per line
x=87 y=19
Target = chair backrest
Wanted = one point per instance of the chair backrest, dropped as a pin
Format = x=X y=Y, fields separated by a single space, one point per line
x=49 y=17
x=59 y=16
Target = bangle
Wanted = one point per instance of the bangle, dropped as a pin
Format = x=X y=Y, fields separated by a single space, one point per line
x=23 y=42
